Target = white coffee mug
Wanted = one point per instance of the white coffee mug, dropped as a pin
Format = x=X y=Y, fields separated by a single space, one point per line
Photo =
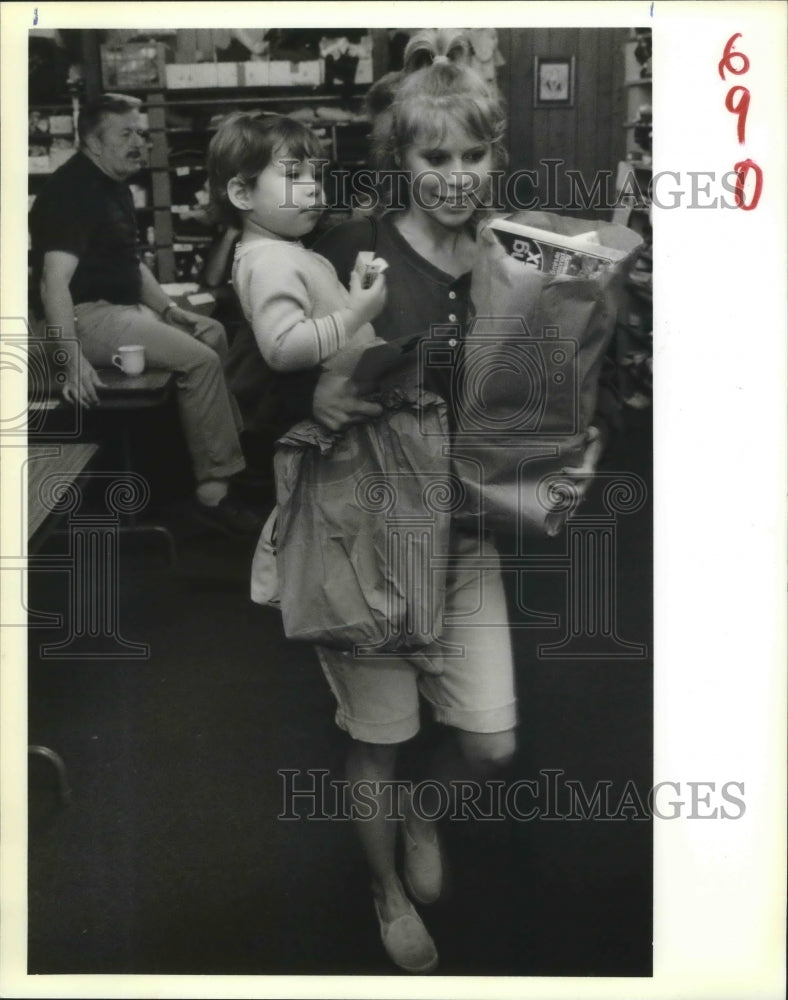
x=130 y=359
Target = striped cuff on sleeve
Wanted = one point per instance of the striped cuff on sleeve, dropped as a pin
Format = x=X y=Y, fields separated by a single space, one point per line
x=331 y=335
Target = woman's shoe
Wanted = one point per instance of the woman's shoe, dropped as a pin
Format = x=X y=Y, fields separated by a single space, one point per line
x=407 y=942
x=423 y=868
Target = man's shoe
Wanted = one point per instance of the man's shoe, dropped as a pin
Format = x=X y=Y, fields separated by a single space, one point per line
x=423 y=869
x=407 y=942
x=231 y=517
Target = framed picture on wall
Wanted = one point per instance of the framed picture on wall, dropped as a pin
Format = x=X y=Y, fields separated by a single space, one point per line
x=554 y=82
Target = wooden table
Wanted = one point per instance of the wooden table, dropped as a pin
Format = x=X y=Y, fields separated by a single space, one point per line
x=119 y=392
x=125 y=394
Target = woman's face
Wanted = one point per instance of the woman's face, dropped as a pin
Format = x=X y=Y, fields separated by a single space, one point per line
x=449 y=178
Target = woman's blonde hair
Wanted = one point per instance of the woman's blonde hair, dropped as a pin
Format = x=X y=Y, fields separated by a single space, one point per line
x=435 y=88
x=437 y=45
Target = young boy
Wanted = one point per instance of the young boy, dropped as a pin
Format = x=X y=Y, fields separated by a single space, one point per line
x=262 y=176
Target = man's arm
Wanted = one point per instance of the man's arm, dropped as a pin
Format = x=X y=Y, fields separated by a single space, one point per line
x=58 y=269
x=154 y=296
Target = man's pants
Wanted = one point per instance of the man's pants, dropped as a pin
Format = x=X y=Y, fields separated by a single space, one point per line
x=209 y=413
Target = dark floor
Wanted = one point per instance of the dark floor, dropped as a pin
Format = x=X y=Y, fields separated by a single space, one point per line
x=171 y=858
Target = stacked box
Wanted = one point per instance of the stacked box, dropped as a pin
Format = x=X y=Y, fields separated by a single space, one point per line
x=308 y=73
x=364 y=70
x=38 y=165
x=254 y=74
x=181 y=76
x=61 y=125
x=135 y=65
x=228 y=74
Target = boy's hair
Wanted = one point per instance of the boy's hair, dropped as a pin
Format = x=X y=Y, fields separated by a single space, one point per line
x=244 y=146
x=93 y=113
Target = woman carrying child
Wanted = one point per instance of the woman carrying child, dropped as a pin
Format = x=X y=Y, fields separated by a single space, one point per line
x=444 y=129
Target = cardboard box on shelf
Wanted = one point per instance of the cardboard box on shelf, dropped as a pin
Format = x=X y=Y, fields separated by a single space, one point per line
x=61 y=125
x=228 y=74
x=364 y=70
x=136 y=65
x=183 y=75
x=38 y=165
x=308 y=73
x=254 y=74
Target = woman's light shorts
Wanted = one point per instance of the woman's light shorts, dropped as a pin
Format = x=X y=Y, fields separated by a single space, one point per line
x=467 y=677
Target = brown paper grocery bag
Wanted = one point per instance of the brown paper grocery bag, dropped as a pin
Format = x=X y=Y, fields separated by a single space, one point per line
x=545 y=292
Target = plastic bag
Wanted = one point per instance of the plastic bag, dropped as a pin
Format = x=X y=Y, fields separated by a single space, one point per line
x=531 y=364
x=265 y=575
x=363 y=519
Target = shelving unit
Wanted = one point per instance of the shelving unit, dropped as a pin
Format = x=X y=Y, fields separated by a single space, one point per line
x=47 y=149
x=633 y=209
x=634 y=172
x=51 y=131
x=176 y=167
x=169 y=193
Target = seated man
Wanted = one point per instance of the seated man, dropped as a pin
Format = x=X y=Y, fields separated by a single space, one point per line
x=92 y=285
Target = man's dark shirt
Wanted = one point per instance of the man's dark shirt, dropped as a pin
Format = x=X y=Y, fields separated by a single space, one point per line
x=84 y=212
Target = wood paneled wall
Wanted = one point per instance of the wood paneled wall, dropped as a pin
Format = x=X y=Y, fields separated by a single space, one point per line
x=587 y=137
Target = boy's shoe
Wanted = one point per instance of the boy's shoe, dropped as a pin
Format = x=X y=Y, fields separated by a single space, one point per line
x=230 y=516
x=423 y=869
x=407 y=942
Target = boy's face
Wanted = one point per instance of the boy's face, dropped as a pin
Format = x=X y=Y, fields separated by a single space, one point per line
x=286 y=199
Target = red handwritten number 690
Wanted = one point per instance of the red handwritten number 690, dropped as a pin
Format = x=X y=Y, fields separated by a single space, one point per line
x=729 y=54
x=737 y=101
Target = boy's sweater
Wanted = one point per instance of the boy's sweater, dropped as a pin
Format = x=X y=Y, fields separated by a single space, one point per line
x=293 y=299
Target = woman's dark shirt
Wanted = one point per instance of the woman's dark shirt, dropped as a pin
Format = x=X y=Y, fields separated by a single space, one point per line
x=424 y=300
x=421 y=298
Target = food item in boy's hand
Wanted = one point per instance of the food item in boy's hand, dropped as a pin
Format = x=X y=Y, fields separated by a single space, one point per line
x=368 y=266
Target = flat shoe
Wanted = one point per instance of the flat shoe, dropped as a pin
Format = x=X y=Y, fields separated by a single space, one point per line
x=407 y=942
x=423 y=869
x=230 y=516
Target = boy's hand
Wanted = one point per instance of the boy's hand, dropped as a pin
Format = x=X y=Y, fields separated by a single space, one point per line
x=367 y=303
